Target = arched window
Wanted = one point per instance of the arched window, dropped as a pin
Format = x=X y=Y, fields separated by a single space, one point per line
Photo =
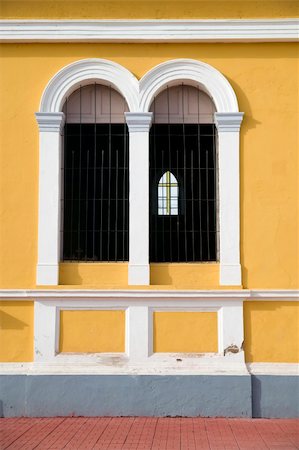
x=183 y=218
x=168 y=195
x=95 y=176
x=175 y=109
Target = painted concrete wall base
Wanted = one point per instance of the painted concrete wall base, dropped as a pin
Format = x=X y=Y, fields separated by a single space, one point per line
x=125 y=395
x=275 y=396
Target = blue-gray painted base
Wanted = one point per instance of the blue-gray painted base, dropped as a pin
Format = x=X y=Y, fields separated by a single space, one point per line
x=275 y=396
x=145 y=395
x=125 y=395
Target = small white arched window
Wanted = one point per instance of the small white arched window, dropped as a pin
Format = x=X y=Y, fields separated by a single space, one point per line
x=168 y=195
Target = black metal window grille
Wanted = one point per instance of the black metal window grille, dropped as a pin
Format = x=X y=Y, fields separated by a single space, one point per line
x=188 y=151
x=96 y=185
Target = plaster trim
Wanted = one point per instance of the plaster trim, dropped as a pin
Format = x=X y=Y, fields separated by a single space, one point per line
x=282 y=369
x=86 y=71
x=52 y=122
x=224 y=30
x=139 y=96
x=142 y=295
x=193 y=72
x=76 y=364
x=139 y=327
x=139 y=124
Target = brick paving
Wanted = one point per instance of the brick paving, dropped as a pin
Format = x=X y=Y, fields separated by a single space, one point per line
x=148 y=433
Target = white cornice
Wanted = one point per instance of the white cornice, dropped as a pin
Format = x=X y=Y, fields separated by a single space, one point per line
x=229 y=122
x=139 y=121
x=226 y=30
x=50 y=121
x=241 y=294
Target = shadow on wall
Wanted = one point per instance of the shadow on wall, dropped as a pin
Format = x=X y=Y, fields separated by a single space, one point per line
x=8 y=322
x=249 y=326
x=160 y=275
x=256 y=395
x=72 y=277
x=248 y=124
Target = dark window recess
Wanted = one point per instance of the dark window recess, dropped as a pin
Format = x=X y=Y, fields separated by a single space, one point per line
x=96 y=192
x=188 y=152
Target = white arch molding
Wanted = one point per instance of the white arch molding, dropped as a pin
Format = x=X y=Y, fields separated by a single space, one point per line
x=139 y=96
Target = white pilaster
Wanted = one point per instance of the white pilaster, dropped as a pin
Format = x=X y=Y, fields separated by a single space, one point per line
x=50 y=126
x=139 y=126
x=46 y=331
x=231 y=330
x=228 y=125
x=138 y=332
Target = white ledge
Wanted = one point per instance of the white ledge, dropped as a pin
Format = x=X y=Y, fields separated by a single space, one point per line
x=227 y=30
x=243 y=294
x=291 y=369
x=117 y=364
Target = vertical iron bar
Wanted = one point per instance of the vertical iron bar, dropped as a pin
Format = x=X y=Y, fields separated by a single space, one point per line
x=109 y=177
x=116 y=205
x=163 y=212
x=65 y=175
x=101 y=211
x=169 y=162
x=94 y=172
x=125 y=193
x=155 y=187
x=215 y=188
x=86 y=206
x=192 y=206
x=72 y=204
x=199 y=179
x=80 y=164
x=185 y=163
x=178 y=216
x=207 y=189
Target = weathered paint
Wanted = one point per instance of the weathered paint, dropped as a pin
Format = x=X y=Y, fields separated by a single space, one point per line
x=125 y=395
x=190 y=332
x=92 y=331
x=271 y=331
x=16 y=331
x=33 y=396
x=136 y=9
x=268 y=172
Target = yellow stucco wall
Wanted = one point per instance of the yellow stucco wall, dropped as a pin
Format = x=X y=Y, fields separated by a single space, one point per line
x=92 y=331
x=189 y=332
x=156 y=9
x=268 y=158
x=180 y=276
x=93 y=274
x=271 y=331
x=16 y=331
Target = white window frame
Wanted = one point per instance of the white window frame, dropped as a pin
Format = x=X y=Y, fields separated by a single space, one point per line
x=139 y=96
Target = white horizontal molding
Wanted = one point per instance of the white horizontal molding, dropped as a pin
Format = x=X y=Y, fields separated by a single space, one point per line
x=140 y=295
x=105 y=364
x=273 y=294
x=291 y=369
x=226 y=30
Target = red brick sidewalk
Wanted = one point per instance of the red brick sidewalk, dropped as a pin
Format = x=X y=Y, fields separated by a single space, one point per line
x=148 y=433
